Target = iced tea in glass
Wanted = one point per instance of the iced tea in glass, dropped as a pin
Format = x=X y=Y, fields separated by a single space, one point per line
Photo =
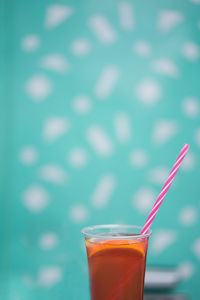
x=116 y=259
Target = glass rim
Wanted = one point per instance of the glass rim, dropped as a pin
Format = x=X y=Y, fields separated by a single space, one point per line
x=88 y=232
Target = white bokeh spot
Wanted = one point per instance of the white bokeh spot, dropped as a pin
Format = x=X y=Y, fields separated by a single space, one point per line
x=103 y=29
x=103 y=191
x=107 y=82
x=81 y=47
x=191 y=107
x=188 y=215
x=164 y=130
x=166 y=67
x=55 y=127
x=35 y=198
x=52 y=173
x=138 y=158
x=122 y=124
x=30 y=43
x=56 y=14
x=78 y=157
x=189 y=162
x=158 y=175
x=48 y=241
x=195 y=1
x=185 y=270
x=144 y=199
x=142 y=48
x=190 y=51
x=82 y=104
x=99 y=140
x=49 y=276
x=148 y=91
x=38 y=87
x=28 y=155
x=78 y=213
x=126 y=15
x=197 y=136
x=168 y=19
x=55 y=62
x=161 y=240
x=196 y=248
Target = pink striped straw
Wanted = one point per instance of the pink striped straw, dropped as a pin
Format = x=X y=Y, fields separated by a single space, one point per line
x=165 y=188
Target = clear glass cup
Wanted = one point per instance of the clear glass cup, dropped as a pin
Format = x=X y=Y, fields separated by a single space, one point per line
x=117 y=261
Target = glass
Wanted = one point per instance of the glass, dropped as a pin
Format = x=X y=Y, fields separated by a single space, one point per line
x=117 y=260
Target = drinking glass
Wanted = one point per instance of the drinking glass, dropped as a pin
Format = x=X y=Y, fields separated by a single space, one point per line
x=117 y=260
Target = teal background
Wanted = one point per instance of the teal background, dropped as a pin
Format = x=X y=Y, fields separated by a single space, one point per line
x=54 y=179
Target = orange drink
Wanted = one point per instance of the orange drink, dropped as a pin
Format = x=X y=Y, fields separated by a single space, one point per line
x=117 y=261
